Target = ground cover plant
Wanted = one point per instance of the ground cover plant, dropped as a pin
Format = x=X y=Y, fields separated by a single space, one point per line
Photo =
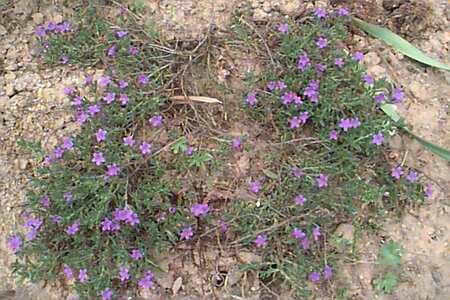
x=136 y=177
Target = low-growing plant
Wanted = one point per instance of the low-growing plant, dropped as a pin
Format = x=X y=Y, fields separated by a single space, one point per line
x=130 y=183
x=390 y=258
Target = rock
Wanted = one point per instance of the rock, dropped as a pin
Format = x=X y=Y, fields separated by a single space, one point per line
x=3 y=30
x=372 y=59
x=38 y=18
x=248 y=257
x=419 y=90
x=345 y=232
x=260 y=15
x=289 y=7
x=377 y=71
x=177 y=285
x=9 y=90
x=10 y=76
x=267 y=7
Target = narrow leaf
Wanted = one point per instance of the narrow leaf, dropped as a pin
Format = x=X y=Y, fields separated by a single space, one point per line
x=400 y=44
x=270 y=174
x=182 y=99
x=389 y=109
x=438 y=150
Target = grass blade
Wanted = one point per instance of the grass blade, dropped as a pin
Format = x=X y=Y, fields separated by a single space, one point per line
x=389 y=110
x=399 y=43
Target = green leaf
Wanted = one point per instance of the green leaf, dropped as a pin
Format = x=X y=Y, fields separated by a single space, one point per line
x=270 y=174
x=400 y=44
x=438 y=150
x=389 y=109
x=391 y=254
x=387 y=283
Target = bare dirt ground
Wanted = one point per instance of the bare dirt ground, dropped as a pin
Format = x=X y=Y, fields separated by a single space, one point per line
x=32 y=106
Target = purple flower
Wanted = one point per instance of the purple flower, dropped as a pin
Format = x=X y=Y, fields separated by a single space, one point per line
x=136 y=254
x=368 y=79
x=300 y=200
x=111 y=51
x=172 y=210
x=333 y=135
x=104 y=81
x=67 y=271
x=156 y=121
x=320 y=13
x=109 y=98
x=271 y=86
x=15 y=243
x=187 y=233
x=298 y=233
x=251 y=99
x=314 y=276
x=316 y=233
x=290 y=97
x=428 y=190
x=124 y=99
x=67 y=143
x=355 y=123
x=397 y=95
x=412 y=176
x=396 y=172
x=298 y=173
x=107 y=294
x=142 y=79
x=129 y=141
x=100 y=135
x=280 y=85
x=255 y=187
x=189 y=150
x=339 y=62
x=82 y=117
x=72 y=229
x=123 y=274
x=303 y=116
x=223 y=226
x=126 y=214
x=46 y=44
x=106 y=224
x=59 y=152
x=321 y=43
x=63 y=27
x=358 y=56
x=68 y=197
x=146 y=282
x=320 y=68
x=51 y=26
x=237 y=144
x=89 y=80
x=305 y=244
x=94 y=109
x=198 y=209
x=67 y=90
x=261 y=241
x=77 y=101
x=113 y=170
x=56 y=219
x=303 y=62
x=40 y=31
x=345 y=124
x=322 y=181
x=45 y=201
x=133 y=50
x=283 y=28
x=82 y=275
x=380 y=98
x=98 y=158
x=121 y=33
x=342 y=12
x=48 y=160
x=145 y=148
x=65 y=60
x=294 y=123
x=378 y=139
x=123 y=84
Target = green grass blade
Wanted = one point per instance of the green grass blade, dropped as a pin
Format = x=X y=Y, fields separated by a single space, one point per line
x=389 y=110
x=399 y=43
x=438 y=150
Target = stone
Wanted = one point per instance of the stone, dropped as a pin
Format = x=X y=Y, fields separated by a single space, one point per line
x=372 y=59
x=290 y=7
x=377 y=71
x=248 y=257
x=260 y=15
x=3 y=30
x=10 y=76
x=9 y=89
x=38 y=18
x=267 y=7
x=419 y=90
